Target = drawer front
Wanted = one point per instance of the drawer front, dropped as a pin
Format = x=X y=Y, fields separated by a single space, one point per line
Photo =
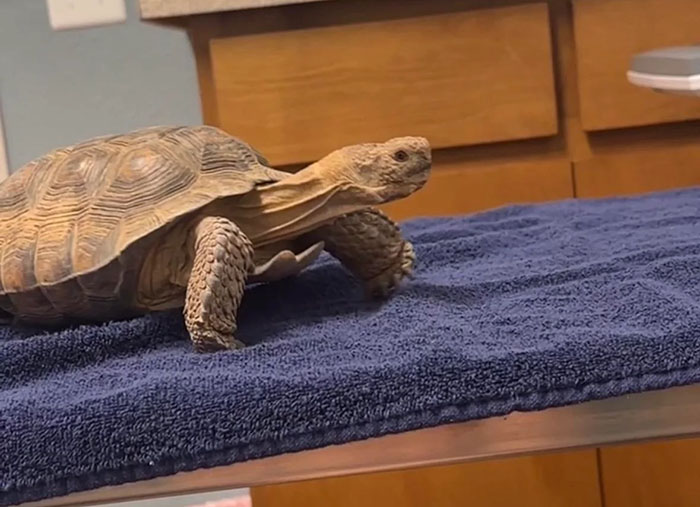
x=641 y=166
x=456 y=188
x=554 y=480
x=608 y=34
x=459 y=78
x=651 y=473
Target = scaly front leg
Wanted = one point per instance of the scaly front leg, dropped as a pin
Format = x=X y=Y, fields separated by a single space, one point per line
x=222 y=261
x=370 y=245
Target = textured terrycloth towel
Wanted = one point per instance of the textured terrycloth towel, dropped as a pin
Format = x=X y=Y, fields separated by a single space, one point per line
x=519 y=308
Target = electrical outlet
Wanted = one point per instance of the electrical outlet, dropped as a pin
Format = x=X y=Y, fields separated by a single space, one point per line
x=67 y=14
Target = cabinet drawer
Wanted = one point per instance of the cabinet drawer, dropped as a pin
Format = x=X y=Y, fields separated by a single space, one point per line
x=640 y=164
x=457 y=78
x=651 y=473
x=608 y=33
x=456 y=188
x=553 y=480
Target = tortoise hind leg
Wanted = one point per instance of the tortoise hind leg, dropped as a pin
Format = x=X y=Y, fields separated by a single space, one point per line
x=222 y=261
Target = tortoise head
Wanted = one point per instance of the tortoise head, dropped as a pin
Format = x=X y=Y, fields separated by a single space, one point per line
x=381 y=172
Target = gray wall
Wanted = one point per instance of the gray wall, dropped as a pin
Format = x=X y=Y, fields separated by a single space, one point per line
x=61 y=87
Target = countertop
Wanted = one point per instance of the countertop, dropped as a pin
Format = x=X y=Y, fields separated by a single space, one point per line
x=154 y=9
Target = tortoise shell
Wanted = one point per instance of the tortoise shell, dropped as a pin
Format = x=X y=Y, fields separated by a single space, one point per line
x=78 y=209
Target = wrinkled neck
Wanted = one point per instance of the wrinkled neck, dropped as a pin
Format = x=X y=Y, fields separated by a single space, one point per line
x=297 y=191
x=295 y=205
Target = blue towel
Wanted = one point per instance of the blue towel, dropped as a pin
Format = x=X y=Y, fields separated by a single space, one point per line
x=517 y=308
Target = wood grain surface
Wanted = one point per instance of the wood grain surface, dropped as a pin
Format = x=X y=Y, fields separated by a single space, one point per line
x=200 y=30
x=656 y=474
x=552 y=480
x=640 y=161
x=608 y=34
x=457 y=78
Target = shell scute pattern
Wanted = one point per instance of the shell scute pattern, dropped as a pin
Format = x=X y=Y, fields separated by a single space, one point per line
x=79 y=208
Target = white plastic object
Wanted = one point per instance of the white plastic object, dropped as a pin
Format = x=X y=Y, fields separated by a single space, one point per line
x=67 y=14
x=684 y=85
x=671 y=69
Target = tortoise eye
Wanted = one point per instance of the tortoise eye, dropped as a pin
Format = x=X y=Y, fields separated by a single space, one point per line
x=401 y=156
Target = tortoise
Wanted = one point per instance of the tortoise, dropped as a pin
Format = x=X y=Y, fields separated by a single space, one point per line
x=187 y=217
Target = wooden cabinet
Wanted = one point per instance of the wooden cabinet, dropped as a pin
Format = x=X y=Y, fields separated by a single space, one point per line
x=656 y=474
x=552 y=480
x=629 y=163
x=458 y=78
x=608 y=34
x=636 y=140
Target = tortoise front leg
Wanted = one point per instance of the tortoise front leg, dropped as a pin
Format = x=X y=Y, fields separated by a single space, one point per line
x=222 y=261
x=370 y=245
